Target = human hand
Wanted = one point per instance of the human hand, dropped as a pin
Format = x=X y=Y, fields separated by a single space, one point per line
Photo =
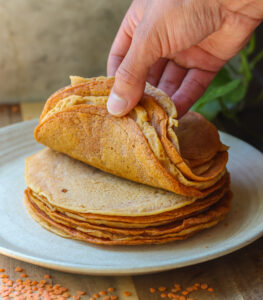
x=178 y=46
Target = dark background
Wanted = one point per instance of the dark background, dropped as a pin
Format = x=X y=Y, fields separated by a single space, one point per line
x=251 y=116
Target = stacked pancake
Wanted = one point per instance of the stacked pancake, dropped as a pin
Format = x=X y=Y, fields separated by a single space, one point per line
x=139 y=179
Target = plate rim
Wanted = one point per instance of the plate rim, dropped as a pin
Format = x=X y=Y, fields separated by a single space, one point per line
x=108 y=271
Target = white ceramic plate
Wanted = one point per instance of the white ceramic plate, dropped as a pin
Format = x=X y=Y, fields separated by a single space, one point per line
x=22 y=238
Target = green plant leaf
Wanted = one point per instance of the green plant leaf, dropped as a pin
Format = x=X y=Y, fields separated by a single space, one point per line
x=234 y=67
x=245 y=67
x=236 y=95
x=251 y=45
x=222 y=77
x=255 y=60
x=227 y=92
x=215 y=91
x=209 y=110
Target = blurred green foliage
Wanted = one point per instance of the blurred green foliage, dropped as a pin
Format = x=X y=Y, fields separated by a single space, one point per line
x=227 y=94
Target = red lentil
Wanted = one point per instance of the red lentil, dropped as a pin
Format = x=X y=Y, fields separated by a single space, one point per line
x=103 y=293
x=18 y=269
x=172 y=293
x=5 y=280
x=66 y=295
x=42 y=290
x=10 y=283
x=81 y=292
x=177 y=286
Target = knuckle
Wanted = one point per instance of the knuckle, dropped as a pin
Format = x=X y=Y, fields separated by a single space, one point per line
x=196 y=85
x=141 y=39
x=126 y=75
x=169 y=84
x=145 y=39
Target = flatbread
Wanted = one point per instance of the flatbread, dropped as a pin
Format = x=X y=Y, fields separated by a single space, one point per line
x=72 y=185
x=166 y=234
x=142 y=146
x=135 y=221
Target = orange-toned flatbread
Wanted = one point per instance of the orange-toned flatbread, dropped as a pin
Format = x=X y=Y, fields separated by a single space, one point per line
x=75 y=122
x=135 y=221
x=162 y=234
x=107 y=231
x=197 y=139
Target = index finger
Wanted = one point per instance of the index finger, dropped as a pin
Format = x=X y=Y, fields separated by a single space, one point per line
x=119 y=48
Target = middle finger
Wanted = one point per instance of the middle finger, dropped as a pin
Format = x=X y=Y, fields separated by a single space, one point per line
x=171 y=78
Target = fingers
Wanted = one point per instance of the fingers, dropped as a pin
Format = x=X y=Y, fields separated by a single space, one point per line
x=131 y=75
x=196 y=57
x=156 y=71
x=172 y=78
x=192 y=88
x=119 y=49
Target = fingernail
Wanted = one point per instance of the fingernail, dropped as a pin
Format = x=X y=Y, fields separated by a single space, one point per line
x=116 y=105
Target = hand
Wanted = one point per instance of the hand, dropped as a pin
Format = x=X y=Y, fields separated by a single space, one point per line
x=178 y=46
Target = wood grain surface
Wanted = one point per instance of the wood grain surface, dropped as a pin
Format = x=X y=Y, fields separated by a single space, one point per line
x=235 y=276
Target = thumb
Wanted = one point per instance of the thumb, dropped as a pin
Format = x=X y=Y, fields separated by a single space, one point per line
x=131 y=76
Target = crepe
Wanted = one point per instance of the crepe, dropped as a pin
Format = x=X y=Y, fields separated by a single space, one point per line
x=125 y=222
x=75 y=200
x=61 y=179
x=146 y=146
x=131 y=221
x=112 y=236
x=145 y=178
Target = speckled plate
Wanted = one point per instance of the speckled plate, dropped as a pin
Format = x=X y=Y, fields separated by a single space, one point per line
x=22 y=238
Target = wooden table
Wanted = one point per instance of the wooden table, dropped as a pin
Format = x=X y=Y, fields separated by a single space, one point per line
x=235 y=276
